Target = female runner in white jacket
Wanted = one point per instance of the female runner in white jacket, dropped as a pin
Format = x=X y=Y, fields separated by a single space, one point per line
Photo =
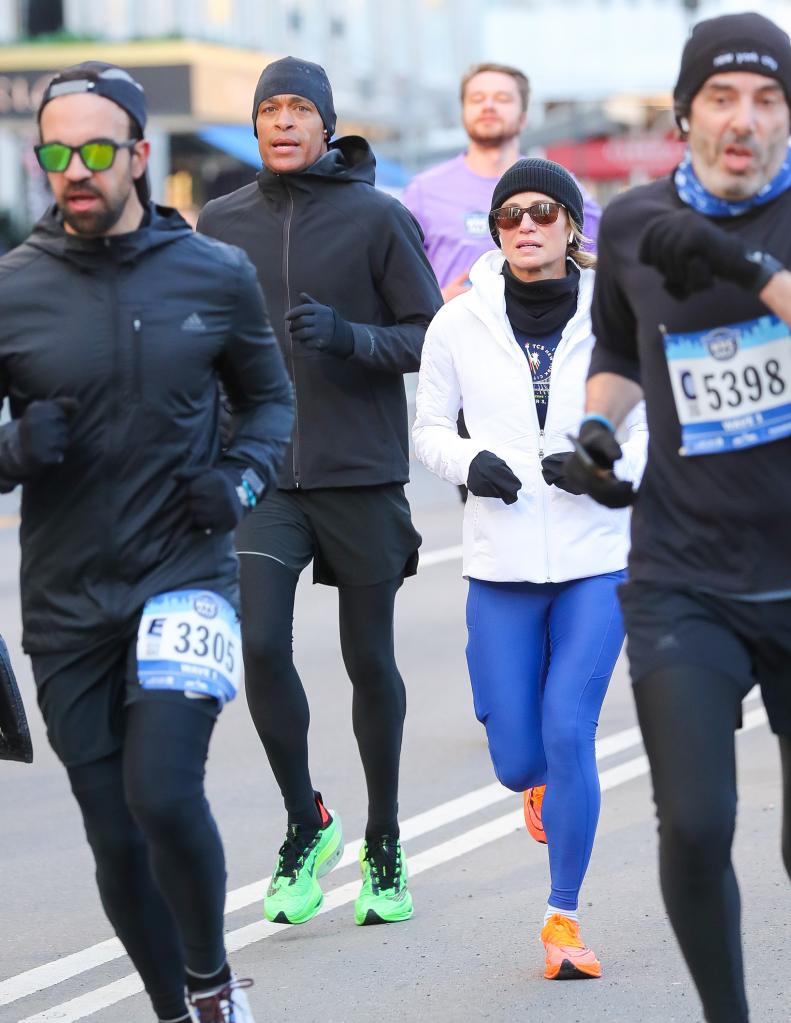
x=543 y=561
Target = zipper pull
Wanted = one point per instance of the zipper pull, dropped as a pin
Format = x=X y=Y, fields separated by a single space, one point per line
x=136 y=326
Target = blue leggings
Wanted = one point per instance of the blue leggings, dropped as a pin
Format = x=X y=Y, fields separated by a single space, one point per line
x=540 y=658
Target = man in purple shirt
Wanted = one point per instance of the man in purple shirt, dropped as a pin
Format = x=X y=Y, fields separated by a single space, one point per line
x=451 y=201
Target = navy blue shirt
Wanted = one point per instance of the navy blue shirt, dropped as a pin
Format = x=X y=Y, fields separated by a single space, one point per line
x=539 y=350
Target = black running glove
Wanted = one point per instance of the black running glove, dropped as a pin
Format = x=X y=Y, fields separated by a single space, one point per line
x=44 y=434
x=210 y=498
x=319 y=326
x=690 y=253
x=590 y=467
x=489 y=476
x=553 y=469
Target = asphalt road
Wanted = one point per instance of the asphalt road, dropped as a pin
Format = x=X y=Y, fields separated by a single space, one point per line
x=472 y=951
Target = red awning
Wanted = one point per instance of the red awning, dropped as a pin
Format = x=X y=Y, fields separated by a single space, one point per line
x=618 y=158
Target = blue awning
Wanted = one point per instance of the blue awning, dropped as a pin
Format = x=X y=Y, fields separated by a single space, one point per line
x=238 y=141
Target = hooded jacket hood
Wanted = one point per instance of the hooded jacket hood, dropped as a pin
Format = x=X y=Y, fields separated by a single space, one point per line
x=347 y=159
x=161 y=226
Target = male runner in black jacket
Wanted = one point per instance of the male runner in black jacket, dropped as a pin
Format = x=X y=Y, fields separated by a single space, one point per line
x=696 y=313
x=350 y=294
x=119 y=324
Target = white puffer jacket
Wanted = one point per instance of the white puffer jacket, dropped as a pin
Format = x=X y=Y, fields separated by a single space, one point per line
x=471 y=358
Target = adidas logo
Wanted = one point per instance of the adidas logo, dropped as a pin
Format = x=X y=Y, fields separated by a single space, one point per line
x=193 y=324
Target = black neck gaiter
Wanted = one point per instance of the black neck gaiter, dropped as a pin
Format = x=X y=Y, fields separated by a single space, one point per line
x=540 y=307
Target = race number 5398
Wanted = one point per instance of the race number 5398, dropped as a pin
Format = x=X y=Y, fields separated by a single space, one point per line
x=731 y=385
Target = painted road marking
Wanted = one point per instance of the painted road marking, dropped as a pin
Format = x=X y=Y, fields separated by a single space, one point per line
x=110 y=994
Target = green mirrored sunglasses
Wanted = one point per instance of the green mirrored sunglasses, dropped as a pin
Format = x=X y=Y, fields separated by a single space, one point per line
x=96 y=155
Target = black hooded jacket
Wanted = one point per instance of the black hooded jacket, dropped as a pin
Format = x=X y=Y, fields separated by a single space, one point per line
x=139 y=329
x=328 y=232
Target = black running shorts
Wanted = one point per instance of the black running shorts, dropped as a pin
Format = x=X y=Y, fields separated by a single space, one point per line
x=750 y=642
x=83 y=693
x=355 y=536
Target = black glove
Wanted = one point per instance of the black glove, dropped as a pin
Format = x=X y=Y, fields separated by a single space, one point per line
x=319 y=326
x=690 y=252
x=44 y=433
x=211 y=499
x=590 y=466
x=553 y=469
x=489 y=476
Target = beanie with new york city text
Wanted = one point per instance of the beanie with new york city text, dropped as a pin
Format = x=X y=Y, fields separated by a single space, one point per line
x=732 y=42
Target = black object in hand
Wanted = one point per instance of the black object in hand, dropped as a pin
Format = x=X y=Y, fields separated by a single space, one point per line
x=490 y=476
x=553 y=469
x=319 y=326
x=210 y=498
x=690 y=252
x=44 y=433
x=590 y=466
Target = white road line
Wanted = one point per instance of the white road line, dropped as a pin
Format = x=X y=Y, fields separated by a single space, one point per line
x=92 y=1002
x=59 y=970
x=439 y=556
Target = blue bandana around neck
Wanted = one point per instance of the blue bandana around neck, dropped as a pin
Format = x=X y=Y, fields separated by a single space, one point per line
x=692 y=192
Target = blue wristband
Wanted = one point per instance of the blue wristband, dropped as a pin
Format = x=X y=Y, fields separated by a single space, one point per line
x=594 y=417
x=252 y=500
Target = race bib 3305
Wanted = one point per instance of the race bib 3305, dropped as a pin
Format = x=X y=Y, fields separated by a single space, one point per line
x=731 y=385
x=189 y=641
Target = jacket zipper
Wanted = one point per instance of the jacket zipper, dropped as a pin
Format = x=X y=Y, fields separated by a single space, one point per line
x=287 y=292
x=543 y=496
x=114 y=426
x=137 y=359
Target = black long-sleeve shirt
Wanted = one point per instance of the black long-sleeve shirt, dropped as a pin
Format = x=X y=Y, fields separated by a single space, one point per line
x=717 y=521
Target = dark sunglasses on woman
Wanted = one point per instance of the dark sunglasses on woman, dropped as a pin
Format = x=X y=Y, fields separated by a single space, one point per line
x=507 y=218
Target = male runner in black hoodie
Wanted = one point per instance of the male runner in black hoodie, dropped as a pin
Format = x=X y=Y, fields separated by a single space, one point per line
x=350 y=293
x=119 y=324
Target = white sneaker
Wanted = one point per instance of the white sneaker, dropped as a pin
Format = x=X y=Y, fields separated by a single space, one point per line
x=225 y=1004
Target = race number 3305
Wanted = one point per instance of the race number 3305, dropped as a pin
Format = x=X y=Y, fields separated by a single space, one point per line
x=189 y=640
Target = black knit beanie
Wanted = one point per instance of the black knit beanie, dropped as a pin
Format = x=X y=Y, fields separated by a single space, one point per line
x=294 y=77
x=732 y=42
x=536 y=175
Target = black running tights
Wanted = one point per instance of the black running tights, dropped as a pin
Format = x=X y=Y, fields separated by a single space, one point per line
x=278 y=703
x=688 y=715
x=159 y=860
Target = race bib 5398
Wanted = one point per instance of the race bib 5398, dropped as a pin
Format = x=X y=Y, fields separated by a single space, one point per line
x=189 y=640
x=732 y=385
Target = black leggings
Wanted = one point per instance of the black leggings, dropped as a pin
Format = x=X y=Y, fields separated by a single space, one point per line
x=688 y=715
x=278 y=703
x=159 y=860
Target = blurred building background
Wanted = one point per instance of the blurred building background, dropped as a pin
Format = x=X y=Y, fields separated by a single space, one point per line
x=601 y=74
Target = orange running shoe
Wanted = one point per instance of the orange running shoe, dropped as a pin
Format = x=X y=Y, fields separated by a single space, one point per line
x=533 y=799
x=567 y=957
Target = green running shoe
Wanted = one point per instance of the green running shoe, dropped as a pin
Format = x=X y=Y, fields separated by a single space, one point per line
x=294 y=895
x=384 y=897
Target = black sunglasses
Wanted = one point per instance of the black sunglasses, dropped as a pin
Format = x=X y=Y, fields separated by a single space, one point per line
x=96 y=155
x=506 y=218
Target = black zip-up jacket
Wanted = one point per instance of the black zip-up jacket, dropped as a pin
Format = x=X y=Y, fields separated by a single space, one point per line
x=328 y=232
x=140 y=329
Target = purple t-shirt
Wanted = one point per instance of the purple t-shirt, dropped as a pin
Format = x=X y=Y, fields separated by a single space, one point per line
x=452 y=205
